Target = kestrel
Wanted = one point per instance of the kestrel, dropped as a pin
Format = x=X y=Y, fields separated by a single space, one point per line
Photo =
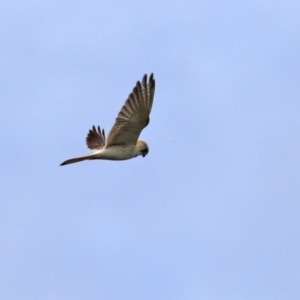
x=122 y=142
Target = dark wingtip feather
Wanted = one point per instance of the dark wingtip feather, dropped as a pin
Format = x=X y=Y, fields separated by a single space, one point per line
x=95 y=138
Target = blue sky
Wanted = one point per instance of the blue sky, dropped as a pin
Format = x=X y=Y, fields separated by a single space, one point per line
x=213 y=211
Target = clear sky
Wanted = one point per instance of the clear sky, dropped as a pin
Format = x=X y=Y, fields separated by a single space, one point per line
x=213 y=211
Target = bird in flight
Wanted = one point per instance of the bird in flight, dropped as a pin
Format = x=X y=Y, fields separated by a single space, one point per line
x=122 y=141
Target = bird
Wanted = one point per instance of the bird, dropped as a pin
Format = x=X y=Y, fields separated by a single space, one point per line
x=122 y=141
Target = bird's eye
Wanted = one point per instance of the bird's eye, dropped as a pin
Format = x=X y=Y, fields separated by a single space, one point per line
x=144 y=152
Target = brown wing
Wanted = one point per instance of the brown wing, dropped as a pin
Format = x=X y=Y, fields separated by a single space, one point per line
x=134 y=115
x=95 y=139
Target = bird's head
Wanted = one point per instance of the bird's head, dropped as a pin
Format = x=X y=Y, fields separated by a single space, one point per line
x=142 y=148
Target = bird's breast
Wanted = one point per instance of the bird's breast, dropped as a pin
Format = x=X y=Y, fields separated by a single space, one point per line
x=117 y=152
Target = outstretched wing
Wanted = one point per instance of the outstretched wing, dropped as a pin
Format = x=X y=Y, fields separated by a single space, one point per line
x=134 y=115
x=95 y=138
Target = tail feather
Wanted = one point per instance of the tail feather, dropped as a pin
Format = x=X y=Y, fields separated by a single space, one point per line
x=77 y=159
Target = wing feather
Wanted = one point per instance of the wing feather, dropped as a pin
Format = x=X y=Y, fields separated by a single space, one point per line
x=134 y=115
x=95 y=138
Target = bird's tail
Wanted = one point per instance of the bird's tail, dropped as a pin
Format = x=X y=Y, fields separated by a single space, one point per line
x=77 y=159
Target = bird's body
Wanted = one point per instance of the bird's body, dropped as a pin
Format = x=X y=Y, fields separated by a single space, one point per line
x=117 y=152
x=122 y=143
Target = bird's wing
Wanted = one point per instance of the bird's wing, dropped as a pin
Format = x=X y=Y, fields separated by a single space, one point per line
x=134 y=115
x=95 y=139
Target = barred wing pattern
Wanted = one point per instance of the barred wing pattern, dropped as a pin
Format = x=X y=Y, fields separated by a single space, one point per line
x=95 y=139
x=134 y=115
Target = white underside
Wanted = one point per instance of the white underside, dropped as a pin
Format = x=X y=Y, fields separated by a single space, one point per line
x=114 y=153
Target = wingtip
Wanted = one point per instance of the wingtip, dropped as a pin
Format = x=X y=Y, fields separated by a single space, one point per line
x=144 y=79
x=151 y=81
